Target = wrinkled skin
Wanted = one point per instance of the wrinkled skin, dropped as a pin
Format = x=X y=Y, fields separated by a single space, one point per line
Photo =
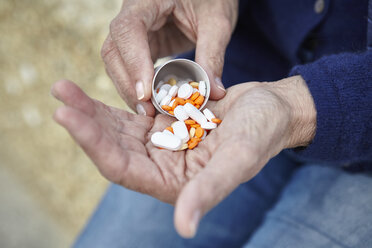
x=149 y=29
x=257 y=124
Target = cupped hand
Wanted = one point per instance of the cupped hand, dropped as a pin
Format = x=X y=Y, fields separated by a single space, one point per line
x=149 y=29
x=258 y=122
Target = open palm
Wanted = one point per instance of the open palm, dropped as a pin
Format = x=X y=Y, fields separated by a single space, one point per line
x=118 y=142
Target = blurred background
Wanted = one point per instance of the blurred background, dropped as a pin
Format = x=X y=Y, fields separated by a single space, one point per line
x=48 y=187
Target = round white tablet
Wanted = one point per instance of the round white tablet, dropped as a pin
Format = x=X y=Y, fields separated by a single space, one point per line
x=185 y=91
x=166 y=100
x=173 y=91
x=180 y=113
x=159 y=97
x=202 y=88
x=166 y=87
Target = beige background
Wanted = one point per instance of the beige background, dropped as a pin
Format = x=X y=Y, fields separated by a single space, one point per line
x=48 y=186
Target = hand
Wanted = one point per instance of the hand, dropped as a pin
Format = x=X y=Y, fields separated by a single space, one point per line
x=259 y=120
x=149 y=29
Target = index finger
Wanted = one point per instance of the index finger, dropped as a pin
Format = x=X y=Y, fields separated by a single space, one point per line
x=129 y=32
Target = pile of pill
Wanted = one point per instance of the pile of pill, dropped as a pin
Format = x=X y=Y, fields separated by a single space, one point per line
x=183 y=100
x=172 y=93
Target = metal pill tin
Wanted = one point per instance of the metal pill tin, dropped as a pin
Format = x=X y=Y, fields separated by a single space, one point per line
x=181 y=69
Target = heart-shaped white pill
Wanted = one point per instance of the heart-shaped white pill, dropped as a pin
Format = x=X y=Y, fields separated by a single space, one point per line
x=166 y=141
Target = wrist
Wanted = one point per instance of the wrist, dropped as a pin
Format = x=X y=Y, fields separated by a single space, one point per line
x=295 y=94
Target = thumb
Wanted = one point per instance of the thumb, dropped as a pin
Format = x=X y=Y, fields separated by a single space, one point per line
x=223 y=173
x=210 y=51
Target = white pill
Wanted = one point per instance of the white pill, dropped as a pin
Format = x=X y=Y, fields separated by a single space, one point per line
x=208 y=114
x=208 y=125
x=180 y=130
x=161 y=82
x=171 y=103
x=184 y=147
x=185 y=91
x=167 y=132
x=166 y=87
x=159 y=97
x=167 y=141
x=204 y=135
x=180 y=113
x=166 y=100
x=173 y=91
x=195 y=113
x=202 y=88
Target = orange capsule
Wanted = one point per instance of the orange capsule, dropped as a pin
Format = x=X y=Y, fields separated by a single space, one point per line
x=199 y=132
x=197 y=106
x=190 y=122
x=192 y=145
x=193 y=142
x=180 y=101
x=171 y=112
x=175 y=104
x=190 y=101
x=170 y=129
x=196 y=125
x=199 y=100
x=216 y=120
x=194 y=96
x=166 y=107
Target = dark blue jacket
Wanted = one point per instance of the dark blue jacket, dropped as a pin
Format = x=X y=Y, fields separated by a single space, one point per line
x=327 y=42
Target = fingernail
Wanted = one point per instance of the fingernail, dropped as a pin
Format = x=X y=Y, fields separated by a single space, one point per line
x=139 y=90
x=194 y=223
x=140 y=109
x=219 y=84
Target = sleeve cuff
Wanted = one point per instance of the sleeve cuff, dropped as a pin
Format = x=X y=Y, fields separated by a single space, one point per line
x=319 y=79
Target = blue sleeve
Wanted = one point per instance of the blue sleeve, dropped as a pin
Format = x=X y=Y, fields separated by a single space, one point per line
x=341 y=86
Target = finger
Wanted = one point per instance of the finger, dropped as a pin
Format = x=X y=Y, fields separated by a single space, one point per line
x=221 y=176
x=210 y=51
x=125 y=122
x=117 y=72
x=71 y=95
x=129 y=33
x=128 y=168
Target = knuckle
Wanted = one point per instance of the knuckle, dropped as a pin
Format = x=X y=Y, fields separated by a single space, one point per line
x=107 y=48
x=116 y=24
x=126 y=92
x=216 y=60
x=125 y=20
